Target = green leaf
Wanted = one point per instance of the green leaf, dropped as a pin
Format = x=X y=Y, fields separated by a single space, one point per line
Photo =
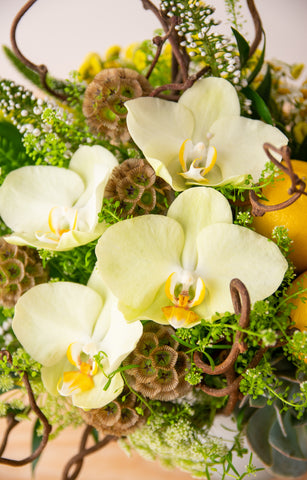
x=302 y=152
x=95 y=435
x=258 y=105
x=243 y=46
x=25 y=71
x=259 y=64
x=264 y=89
x=31 y=75
x=36 y=440
x=12 y=152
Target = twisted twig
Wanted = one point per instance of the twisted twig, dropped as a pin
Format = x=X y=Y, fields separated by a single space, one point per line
x=258 y=26
x=46 y=426
x=11 y=423
x=42 y=70
x=182 y=58
x=77 y=460
x=180 y=86
x=297 y=184
x=160 y=41
x=241 y=303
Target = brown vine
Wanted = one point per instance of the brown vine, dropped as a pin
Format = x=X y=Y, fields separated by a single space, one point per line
x=160 y=41
x=181 y=80
x=77 y=460
x=241 y=302
x=42 y=70
x=12 y=422
x=257 y=24
x=297 y=188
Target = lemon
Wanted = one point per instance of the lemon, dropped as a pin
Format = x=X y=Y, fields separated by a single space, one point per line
x=299 y=314
x=293 y=217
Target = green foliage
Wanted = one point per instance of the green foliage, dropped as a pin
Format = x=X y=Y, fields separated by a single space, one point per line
x=111 y=211
x=258 y=106
x=174 y=436
x=74 y=265
x=55 y=84
x=7 y=338
x=243 y=47
x=12 y=152
x=204 y=44
x=233 y=9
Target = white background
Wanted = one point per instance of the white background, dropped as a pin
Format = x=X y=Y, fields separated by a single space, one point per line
x=59 y=33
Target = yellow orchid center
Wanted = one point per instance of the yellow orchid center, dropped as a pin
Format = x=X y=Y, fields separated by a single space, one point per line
x=196 y=161
x=60 y=220
x=185 y=290
x=80 y=380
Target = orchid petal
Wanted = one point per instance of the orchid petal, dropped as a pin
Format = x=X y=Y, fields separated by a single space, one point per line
x=209 y=99
x=194 y=209
x=51 y=375
x=159 y=128
x=97 y=397
x=239 y=144
x=67 y=241
x=136 y=256
x=28 y=193
x=94 y=165
x=230 y=251
x=118 y=337
x=49 y=317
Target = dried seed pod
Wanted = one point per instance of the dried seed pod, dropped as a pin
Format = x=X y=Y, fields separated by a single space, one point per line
x=118 y=418
x=104 y=99
x=20 y=269
x=135 y=185
x=161 y=368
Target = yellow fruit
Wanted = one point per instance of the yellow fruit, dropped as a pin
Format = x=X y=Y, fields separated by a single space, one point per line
x=293 y=217
x=299 y=314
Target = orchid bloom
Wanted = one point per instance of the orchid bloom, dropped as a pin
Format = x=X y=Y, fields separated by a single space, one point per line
x=64 y=326
x=201 y=139
x=57 y=208
x=177 y=269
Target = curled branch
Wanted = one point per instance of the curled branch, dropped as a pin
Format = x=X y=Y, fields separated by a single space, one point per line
x=42 y=70
x=180 y=86
x=297 y=188
x=12 y=423
x=241 y=303
x=77 y=460
x=180 y=54
x=257 y=24
x=159 y=41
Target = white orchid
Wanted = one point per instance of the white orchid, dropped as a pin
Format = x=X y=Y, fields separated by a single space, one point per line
x=201 y=139
x=57 y=208
x=64 y=326
x=177 y=269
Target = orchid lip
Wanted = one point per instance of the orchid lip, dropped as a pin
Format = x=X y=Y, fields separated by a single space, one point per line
x=61 y=220
x=185 y=290
x=196 y=160
x=80 y=380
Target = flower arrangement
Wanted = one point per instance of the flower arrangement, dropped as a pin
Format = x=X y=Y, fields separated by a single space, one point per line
x=153 y=249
